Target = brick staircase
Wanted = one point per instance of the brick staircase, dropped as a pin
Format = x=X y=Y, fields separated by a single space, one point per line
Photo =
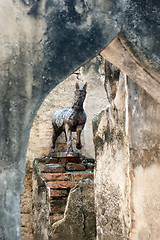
x=61 y=173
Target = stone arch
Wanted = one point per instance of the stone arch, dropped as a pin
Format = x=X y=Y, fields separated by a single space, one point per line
x=41 y=132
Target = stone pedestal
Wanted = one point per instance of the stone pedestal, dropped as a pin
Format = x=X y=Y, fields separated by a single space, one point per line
x=62 y=172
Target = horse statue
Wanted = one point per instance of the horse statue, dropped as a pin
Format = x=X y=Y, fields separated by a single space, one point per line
x=70 y=120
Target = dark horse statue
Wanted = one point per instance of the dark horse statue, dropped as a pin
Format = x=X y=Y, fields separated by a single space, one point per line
x=70 y=120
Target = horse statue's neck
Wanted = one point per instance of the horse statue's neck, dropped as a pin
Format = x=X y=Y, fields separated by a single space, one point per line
x=79 y=97
x=77 y=106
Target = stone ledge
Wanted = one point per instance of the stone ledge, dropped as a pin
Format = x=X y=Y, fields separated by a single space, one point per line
x=64 y=154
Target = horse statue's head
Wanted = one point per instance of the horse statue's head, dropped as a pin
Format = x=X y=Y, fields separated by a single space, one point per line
x=79 y=95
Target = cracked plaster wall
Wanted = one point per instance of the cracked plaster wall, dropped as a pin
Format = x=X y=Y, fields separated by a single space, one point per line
x=126 y=137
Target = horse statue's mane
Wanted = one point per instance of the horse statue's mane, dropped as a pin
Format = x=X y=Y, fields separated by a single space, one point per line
x=70 y=120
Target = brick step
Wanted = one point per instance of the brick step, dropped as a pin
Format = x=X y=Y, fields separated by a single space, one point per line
x=74 y=177
x=58 y=193
x=59 y=210
x=61 y=184
x=75 y=167
x=60 y=160
x=52 y=168
x=58 y=206
x=57 y=168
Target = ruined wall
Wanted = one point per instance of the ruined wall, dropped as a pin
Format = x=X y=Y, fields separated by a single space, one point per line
x=126 y=137
x=79 y=220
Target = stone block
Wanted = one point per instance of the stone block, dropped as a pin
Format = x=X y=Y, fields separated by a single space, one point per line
x=25 y=220
x=27 y=233
x=26 y=227
x=75 y=167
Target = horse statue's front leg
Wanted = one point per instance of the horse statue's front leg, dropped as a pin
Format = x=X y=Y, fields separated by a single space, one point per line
x=69 y=138
x=79 y=130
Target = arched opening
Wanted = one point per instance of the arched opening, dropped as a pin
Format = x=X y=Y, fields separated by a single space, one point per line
x=39 y=146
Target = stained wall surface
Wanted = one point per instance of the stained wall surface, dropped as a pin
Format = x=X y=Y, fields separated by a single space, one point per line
x=41 y=43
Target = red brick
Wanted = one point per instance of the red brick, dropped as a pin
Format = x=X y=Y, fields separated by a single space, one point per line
x=57 y=206
x=74 y=159
x=75 y=167
x=65 y=160
x=61 y=184
x=53 y=160
x=78 y=176
x=58 y=193
x=58 y=203
x=57 y=209
x=56 y=176
x=53 y=168
x=62 y=161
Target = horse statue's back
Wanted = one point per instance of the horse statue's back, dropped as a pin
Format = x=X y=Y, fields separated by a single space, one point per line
x=70 y=120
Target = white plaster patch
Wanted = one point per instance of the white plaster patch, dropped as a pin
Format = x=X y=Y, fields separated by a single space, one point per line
x=146 y=201
x=79 y=6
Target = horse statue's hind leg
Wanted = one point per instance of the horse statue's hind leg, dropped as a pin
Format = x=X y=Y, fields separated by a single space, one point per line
x=56 y=133
x=79 y=130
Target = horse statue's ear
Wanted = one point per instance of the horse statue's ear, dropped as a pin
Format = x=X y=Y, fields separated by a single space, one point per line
x=85 y=86
x=77 y=85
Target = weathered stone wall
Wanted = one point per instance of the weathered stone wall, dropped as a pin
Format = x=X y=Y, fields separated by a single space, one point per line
x=26 y=207
x=40 y=206
x=126 y=137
